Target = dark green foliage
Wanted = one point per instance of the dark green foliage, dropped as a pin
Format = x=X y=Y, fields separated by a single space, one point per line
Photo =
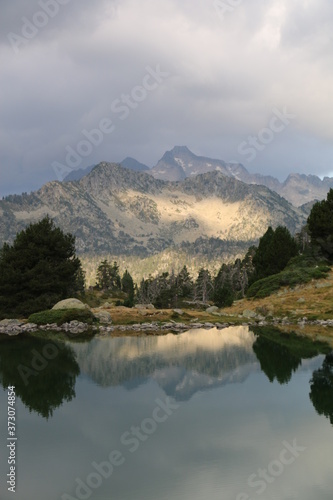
x=184 y=283
x=38 y=270
x=303 y=239
x=108 y=277
x=127 y=286
x=281 y=354
x=166 y=290
x=167 y=293
x=301 y=269
x=223 y=296
x=61 y=316
x=231 y=281
x=203 y=286
x=321 y=393
x=320 y=224
x=274 y=251
x=80 y=281
x=261 y=258
x=41 y=390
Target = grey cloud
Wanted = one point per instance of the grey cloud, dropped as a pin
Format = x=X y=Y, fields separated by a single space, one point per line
x=226 y=76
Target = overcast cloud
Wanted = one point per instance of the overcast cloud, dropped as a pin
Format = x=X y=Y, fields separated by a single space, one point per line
x=225 y=69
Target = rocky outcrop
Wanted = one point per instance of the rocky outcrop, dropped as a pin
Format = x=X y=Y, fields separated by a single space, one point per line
x=298 y=189
x=212 y=309
x=70 y=304
x=103 y=317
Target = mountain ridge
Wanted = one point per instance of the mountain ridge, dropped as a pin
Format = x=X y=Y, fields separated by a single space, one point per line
x=298 y=189
x=121 y=211
x=179 y=163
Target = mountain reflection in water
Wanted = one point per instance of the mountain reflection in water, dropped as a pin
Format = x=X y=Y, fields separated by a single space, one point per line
x=181 y=365
x=237 y=395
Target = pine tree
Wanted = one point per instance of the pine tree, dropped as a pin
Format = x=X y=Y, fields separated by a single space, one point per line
x=275 y=250
x=184 y=283
x=127 y=286
x=38 y=269
x=203 y=285
x=107 y=277
x=320 y=224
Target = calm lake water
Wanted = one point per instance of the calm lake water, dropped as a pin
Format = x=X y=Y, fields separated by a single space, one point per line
x=228 y=414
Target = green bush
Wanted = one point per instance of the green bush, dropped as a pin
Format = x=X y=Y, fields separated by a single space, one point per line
x=61 y=316
x=300 y=270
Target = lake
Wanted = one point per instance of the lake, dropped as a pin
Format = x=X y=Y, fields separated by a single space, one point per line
x=233 y=414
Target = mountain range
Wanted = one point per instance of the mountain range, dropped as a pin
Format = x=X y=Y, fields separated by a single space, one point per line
x=118 y=211
x=180 y=163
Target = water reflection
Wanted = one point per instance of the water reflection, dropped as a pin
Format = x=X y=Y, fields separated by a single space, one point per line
x=321 y=393
x=43 y=372
x=231 y=422
x=280 y=354
x=180 y=364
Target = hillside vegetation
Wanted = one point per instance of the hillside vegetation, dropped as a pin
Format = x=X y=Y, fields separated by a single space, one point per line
x=312 y=300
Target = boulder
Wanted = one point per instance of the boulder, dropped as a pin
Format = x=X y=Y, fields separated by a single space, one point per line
x=143 y=312
x=103 y=317
x=249 y=314
x=29 y=327
x=179 y=311
x=144 y=306
x=106 y=305
x=70 y=304
x=212 y=309
x=11 y=322
x=75 y=327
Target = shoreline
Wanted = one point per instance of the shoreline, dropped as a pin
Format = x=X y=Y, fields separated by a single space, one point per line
x=317 y=330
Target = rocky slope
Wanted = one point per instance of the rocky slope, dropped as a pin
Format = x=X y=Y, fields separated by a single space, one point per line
x=120 y=211
x=298 y=189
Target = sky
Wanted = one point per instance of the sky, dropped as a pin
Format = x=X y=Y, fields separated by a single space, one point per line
x=242 y=81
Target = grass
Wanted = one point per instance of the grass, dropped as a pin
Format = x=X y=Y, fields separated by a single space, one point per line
x=61 y=316
x=312 y=299
x=125 y=316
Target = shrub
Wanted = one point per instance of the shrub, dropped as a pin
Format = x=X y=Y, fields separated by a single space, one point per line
x=61 y=316
x=299 y=271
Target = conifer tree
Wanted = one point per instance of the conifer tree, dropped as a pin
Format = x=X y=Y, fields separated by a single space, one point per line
x=107 y=277
x=203 y=285
x=127 y=286
x=38 y=269
x=320 y=224
x=274 y=251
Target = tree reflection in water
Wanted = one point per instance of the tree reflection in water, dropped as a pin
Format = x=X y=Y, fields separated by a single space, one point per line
x=321 y=393
x=41 y=390
x=280 y=354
